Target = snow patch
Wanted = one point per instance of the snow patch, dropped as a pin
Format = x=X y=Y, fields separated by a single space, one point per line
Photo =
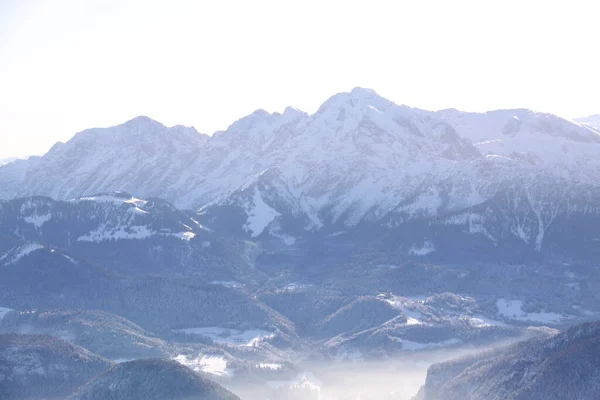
x=427 y=248
x=399 y=303
x=136 y=201
x=417 y=298
x=212 y=364
x=479 y=321
x=229 y=284
x=271 y=366
x=336 y=234
x=187 y=236
x=488 y=142
x=260 y=215
x=233 y=337
x=71 y=259
x=16 y=253
x=38 y=220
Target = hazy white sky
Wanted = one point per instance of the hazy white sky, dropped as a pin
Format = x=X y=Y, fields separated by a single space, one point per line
x=70 y=65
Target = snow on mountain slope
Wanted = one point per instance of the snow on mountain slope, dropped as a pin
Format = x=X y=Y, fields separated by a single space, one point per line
x=533 y=138
x=7 y=160
x=359 y=158
x=16 y=253
x=138 y=153
x=593 y=121
x=363 y=158
x=96 y=219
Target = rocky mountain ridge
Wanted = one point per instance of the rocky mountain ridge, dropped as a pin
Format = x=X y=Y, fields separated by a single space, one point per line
x=360 y=158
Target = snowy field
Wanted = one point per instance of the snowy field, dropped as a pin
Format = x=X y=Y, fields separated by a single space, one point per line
x=230 y=336
x=212 y=364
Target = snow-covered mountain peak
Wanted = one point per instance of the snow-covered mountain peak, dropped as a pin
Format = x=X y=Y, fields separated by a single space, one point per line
x=370 y=125
x=117 y=196
x=363 y=92
x=292 y=111
x=188 y=130
x=357 y=100
x=359 y=157
x=140 y=133
x=531 y=138
x=142 y=122
x=98 y=157
x=369 y=97
x=260 y=129
x=143 y=126
x=258 y=120
x=136 y=132
x=341 y=117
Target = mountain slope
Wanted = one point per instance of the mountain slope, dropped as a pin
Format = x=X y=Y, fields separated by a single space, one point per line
x=512 y=182
x=141 y=259
x=532 y=137
x=41 y=367
x=138 y=153
x=149 y=380
x=565 y=366
x=108 y=335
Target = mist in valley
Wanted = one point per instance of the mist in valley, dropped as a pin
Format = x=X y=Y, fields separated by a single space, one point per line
x=391 y=378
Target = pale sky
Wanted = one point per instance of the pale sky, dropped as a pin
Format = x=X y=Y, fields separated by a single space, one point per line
x=70 y=65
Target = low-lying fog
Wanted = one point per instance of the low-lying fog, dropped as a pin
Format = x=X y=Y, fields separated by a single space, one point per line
x=394 y=378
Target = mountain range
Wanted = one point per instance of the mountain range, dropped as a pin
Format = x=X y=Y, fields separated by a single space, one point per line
x=360 y=232
x=7 y=160
x=45 y=367
x=359 y=159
